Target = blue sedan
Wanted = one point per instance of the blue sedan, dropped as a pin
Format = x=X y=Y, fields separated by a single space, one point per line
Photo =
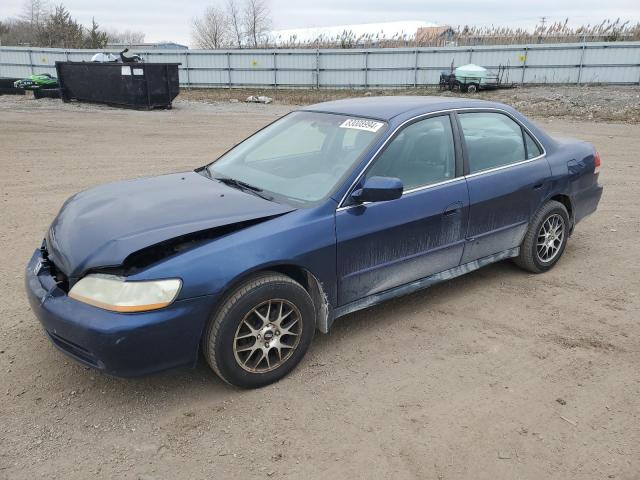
x=328 y=210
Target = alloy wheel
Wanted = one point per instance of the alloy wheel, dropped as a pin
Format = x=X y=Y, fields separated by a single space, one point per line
x=267 y=336
x=550 y=238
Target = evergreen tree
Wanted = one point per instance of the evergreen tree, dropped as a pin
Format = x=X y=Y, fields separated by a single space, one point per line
x=60 y=30
x=95 y=38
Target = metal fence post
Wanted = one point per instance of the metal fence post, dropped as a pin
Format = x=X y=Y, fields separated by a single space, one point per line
x=415 y=69
x=31 y=62
x=524 y=64
x=470 y=54
x=584 y=46
x=275 y=70
x=317 y=69
x=229 y=67
x=366 y=69
x=186 y=66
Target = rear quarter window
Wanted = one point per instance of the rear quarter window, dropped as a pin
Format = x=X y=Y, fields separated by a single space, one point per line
x=533 y=150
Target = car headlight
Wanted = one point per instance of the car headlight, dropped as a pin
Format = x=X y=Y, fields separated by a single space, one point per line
x=116 y=294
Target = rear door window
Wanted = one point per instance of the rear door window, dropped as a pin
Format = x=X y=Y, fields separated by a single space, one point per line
x=492 y=140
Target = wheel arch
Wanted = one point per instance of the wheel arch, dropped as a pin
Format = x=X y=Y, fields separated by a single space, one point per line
x=315 y=289
x=309 y=281
x=566 y=201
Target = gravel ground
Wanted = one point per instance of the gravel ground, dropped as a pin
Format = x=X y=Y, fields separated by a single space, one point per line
x=610 y=103
x=497 y=374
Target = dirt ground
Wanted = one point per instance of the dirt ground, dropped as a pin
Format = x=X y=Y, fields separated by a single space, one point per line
x=586 y=102
x=499 y=374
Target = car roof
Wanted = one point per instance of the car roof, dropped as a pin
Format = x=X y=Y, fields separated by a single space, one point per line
x=387 y=107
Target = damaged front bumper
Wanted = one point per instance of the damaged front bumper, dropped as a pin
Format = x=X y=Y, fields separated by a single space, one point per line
x=120 y=344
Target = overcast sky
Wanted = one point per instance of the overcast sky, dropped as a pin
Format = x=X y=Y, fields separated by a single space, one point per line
x=171 y=19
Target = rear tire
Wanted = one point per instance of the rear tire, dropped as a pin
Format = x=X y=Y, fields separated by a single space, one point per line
x=261 y=331
x=546 y=238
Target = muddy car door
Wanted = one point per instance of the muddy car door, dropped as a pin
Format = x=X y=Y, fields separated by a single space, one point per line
x=507 y=176
x=382 y=245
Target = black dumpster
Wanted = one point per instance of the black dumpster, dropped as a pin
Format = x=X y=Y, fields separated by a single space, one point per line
x=7 y=88
x=46 y=93
x=133 y=85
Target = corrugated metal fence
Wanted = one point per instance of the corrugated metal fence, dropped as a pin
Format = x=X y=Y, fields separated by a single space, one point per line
x=574 y=63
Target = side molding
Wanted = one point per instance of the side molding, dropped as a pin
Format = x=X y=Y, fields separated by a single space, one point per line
x=424 y=282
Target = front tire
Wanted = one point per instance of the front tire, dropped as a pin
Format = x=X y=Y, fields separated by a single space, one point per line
x=261 y=331
x=546 y=238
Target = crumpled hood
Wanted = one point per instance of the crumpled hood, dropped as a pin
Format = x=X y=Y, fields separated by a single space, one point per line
x=100 y=227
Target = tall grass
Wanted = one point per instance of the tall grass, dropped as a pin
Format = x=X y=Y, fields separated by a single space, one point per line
x=557 y=32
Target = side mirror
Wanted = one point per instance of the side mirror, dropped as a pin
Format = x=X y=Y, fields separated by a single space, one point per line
x=378 y=189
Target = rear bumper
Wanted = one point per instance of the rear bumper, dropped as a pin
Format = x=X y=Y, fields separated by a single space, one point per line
x=116 y=343
x=586 y=201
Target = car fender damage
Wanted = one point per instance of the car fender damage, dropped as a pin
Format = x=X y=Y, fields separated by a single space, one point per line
x=320 y=302
x=102 y=226
x=147 y=256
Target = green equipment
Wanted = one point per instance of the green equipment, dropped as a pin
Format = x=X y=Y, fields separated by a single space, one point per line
x=40 y=81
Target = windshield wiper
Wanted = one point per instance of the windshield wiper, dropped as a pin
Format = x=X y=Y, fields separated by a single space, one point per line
x=244 y=186
x=240 y=183
x=204 y=171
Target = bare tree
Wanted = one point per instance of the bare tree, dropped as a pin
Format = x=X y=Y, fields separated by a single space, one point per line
x=17 y=32
x=4 y=29
x=257 y=21
x=34 y=12
x=23 y=29
x=211 y=30
x=235 y=22
x=125 y=37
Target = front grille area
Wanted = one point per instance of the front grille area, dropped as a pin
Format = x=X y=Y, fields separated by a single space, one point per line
x=61 y=279
x=74 y=350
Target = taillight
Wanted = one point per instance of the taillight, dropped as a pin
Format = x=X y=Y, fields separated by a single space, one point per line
x=596 y=161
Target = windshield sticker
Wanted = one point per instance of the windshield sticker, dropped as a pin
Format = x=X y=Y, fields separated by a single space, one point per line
x=362 y=124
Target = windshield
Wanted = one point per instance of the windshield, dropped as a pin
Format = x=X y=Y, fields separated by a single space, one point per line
x=301 y=157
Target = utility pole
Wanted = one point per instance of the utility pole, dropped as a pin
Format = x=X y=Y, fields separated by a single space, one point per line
x=543 y=22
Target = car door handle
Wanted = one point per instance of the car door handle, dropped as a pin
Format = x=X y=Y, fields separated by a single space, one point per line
x=538 y=186
x=452 y=209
